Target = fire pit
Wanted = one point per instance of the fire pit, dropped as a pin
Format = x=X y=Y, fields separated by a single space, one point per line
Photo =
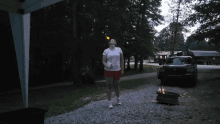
x=168 y=97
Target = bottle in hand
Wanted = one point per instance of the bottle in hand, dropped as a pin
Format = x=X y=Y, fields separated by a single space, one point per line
x=110 y=66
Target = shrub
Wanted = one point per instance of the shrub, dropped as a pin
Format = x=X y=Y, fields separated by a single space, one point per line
x=87 y=76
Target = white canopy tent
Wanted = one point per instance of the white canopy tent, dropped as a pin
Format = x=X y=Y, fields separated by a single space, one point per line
x=19 y=12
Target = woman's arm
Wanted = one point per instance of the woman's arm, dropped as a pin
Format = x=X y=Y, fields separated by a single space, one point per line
x=104 y=61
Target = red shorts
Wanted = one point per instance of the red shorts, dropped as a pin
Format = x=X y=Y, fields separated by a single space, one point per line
x=115 y=74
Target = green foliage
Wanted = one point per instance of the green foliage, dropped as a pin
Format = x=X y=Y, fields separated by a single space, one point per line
x=207 y=14
x=129 y=21
x=193 y=44
x=165 y=38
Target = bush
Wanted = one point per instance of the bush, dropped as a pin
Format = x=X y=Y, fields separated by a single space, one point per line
x=67 y=74
x=87 y=76
x=34 y=73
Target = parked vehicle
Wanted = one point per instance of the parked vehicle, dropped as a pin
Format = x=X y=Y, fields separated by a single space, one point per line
x=178 y=68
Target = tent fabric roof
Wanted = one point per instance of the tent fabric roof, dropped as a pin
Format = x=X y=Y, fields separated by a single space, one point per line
x=28 y=6
x=205 y=53
x=19 y=13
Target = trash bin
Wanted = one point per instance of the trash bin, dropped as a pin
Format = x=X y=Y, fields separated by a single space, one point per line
x=23 y=116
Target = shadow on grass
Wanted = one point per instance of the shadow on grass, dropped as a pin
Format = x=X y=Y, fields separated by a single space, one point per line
x=63 y=99
x=74 y=101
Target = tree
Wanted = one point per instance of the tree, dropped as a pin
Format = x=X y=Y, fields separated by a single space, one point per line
x=207 y=14
x=165 y=38
x=76 y=46
x=178 y=11
x=147 y=16
x=76 y=31
x=193 y=44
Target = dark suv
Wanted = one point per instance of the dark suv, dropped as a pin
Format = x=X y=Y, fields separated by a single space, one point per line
x=178 y=68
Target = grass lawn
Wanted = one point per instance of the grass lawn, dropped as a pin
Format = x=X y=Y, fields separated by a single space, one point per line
x=147 y=69
x=62 y=99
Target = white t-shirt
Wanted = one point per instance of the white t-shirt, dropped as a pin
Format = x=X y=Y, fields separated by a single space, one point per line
x=113 y=57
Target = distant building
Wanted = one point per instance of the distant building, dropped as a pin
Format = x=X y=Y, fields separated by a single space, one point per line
x=201 y=57
x=205 y=57
x=162 y=55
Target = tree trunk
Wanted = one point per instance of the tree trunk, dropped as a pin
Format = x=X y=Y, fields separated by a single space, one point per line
x=172 y=39
x=176 y=26
x=74 y=19
x=128 y=65
x=93 y=64
x=74 y=60
x=141 y=63
x=124 y=64
x=60 y=69
x=79 y=62
x=136 y=62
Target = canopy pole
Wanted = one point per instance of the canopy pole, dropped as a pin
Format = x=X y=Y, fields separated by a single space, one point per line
x=20 y=24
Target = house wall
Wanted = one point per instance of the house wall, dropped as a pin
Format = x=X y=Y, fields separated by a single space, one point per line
x=207 y=60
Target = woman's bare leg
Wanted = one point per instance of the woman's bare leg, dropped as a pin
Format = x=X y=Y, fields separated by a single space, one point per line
x=109 y=82
x=116 y=87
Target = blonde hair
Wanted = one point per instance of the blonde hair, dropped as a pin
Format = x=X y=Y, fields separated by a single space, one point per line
x=112 y=40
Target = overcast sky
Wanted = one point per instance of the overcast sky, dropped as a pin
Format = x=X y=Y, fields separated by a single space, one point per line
x=165 y=10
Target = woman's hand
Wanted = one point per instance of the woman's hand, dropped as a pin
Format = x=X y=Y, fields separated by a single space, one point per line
x=109 y=66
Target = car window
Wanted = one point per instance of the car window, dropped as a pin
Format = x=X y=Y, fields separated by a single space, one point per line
x=174 y=61
x=179 y=61
x=187 y=61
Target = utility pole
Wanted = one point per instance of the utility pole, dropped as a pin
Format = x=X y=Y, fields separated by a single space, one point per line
x=172 y=37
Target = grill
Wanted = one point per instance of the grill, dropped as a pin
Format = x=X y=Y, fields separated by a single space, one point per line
x=174 y=71
x=168 y=97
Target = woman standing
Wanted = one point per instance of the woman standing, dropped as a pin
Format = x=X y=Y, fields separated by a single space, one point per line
x=114 y=69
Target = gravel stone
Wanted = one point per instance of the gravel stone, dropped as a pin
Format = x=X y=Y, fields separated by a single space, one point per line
x=136 y=108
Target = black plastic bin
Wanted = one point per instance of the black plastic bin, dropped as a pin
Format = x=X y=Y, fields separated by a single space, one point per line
x=23 y=116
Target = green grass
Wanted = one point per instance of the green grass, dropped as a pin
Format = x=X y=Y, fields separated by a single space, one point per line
x=62 y=99
x=147 y=69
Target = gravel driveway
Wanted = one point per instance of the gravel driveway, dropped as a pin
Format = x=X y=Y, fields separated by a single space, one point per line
x=137 y=107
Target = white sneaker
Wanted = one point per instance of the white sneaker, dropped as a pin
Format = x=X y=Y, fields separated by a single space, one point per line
x=110 y=105
x=118 y=101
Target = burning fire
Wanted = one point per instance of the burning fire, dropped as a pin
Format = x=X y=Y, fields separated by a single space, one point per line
x=161 y=90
